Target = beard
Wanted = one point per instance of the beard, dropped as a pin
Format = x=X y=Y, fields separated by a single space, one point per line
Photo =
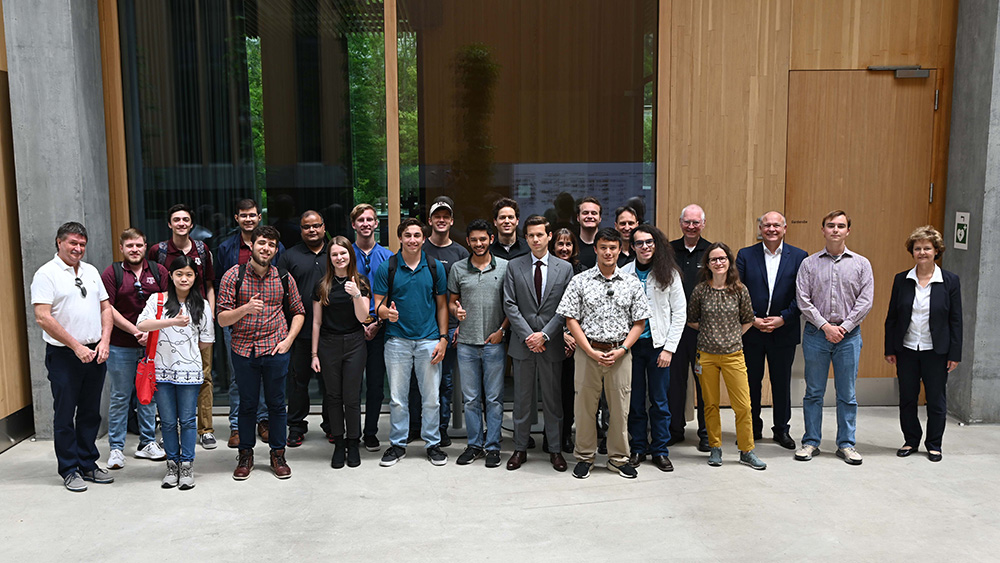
x=131 y=262
x=258 y=261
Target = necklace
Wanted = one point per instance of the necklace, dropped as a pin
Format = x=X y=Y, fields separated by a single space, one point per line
x=340 y=280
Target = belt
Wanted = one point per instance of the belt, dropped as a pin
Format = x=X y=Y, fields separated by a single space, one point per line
x=604 y=346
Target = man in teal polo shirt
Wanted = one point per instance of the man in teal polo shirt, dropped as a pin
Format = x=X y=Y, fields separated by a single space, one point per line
x=415 y=304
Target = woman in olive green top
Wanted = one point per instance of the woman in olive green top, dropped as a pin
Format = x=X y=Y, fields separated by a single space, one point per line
x=719 y=309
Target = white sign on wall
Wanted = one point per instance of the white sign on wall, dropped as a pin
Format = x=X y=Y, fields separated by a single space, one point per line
x=961 y=230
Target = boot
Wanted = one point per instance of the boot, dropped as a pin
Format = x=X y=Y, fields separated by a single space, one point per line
x=353 y=453
x=339 y=452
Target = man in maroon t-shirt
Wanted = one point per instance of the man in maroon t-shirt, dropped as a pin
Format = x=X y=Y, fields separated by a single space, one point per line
x=129 y=285
x=180 y=220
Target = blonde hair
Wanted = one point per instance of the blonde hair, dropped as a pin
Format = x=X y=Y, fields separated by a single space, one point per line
x=929 y=233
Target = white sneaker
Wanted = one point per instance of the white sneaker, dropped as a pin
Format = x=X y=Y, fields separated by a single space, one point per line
x=151 y=451
x=850 y=455
x=806 y=452
x=116 y=460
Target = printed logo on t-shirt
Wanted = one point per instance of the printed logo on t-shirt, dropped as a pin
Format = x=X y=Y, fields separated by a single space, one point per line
x=150 y=280
x=197 y=260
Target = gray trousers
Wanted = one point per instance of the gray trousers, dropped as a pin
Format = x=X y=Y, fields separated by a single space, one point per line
x=546 y=374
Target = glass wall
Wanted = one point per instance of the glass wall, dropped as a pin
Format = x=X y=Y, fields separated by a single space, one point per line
x=543 y=101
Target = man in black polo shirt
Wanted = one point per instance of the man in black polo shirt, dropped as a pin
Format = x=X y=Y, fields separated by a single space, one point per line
x=306 y=262
x=688 y=250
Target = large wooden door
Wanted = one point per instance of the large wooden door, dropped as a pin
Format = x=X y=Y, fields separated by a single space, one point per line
x=861 y=141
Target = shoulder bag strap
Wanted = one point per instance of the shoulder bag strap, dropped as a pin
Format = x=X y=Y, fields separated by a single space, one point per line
x=154 y=335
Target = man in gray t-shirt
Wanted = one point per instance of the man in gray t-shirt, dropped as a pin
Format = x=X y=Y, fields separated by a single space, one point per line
x=475 y=286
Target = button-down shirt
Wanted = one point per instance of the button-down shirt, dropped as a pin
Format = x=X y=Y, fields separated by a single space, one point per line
x=481 y=294
x=256 y=335
x=55 y=284
x=836 y=290
x=918 y=335
x=771 y=263
x=128 y=301
x=606 y=308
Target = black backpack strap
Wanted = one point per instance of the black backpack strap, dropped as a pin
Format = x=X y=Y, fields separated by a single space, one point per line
x=199 y=247
x=432 y=265
x=286 y=299
x=239 y=283
x=161 y=252
x=119 y=271
x=155 y=270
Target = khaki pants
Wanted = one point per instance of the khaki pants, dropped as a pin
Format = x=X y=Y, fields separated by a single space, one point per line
x=616 y=381
x=734 y=372
x=205 y=394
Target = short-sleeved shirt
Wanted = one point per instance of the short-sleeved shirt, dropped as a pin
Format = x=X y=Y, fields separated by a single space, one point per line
x=338 y=315
x=587 y=256
x=308 y=268
x=256 y=335
x=204 y=268
x=55 y=284
x=606 y=308
x=368 y=264
x=689 y=261
x=643 y=276
x=481 y=295
x=128 y=301
x=448 y=256
x=414 y=298
x=178 y=356
x=720 y=314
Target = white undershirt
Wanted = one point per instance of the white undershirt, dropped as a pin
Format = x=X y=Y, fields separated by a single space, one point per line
x=771 y=262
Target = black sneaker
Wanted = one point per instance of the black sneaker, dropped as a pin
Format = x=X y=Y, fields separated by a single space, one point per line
x=445 y=439
x=602 y=446
x=436 y=456
x=392 y=455
x=582 y=470
x=493 y=458
x=470 y=454
x=625 y=470
x=295 y=439
x=371 y=443
x=703 y=445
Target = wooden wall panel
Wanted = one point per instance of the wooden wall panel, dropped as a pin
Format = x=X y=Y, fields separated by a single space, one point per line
x=728 y=74
x=853 y=34
x=114 y=120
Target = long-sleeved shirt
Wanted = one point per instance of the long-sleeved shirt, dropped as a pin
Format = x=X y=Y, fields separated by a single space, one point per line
x=720 y=314
x=836 y=290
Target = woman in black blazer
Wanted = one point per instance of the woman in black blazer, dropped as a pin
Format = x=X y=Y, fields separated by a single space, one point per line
x=923 y=339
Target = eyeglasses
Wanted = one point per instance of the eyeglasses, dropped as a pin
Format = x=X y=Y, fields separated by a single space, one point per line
x=138 y=289
x=247 y=215
x=83 y=290
x=718 y=260
x=643 y=243
x=314 y=226
x=691 y=223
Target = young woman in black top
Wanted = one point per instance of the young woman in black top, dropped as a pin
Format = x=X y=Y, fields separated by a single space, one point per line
x=340 y=305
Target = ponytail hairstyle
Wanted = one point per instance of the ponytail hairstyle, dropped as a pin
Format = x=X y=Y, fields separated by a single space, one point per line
x=195 y=301
x=326 y=284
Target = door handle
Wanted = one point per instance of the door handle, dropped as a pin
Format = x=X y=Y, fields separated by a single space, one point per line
x=903 y=71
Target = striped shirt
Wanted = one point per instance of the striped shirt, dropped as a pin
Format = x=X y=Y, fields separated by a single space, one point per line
x=257 y=334
x=836 y=290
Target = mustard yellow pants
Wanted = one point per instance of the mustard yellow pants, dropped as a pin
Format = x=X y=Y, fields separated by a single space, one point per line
x=733 y=369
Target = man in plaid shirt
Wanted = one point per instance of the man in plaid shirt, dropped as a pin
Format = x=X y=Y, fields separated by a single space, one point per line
x=261 y=339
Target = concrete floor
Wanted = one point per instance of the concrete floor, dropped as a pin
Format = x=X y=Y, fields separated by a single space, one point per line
x=887 y=509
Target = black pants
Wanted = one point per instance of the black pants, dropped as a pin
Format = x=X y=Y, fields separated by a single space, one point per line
x=779 y=366
x=568 y=396
x=683 y=360
x=374 y=381
x=342 y=358
x=911 y=368
x=300 y=373
x=76 y=406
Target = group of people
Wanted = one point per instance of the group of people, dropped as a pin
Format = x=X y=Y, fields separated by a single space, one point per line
x=603 y=324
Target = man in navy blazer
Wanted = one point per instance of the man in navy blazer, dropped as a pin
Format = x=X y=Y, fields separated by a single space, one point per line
x=768 y=270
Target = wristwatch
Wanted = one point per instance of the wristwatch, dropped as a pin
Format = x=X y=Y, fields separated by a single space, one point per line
x=622 y=346
x=440 y=336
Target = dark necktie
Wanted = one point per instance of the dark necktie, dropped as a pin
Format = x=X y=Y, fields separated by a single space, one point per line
x=538 y=281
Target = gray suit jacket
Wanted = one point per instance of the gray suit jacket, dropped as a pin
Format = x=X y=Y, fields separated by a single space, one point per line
x=526 y=315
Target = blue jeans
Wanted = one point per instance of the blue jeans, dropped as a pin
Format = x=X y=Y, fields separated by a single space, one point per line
x=401 y=356
x=482 y=373
x=648 y=377
x=819 y=353
x=252 y=374
x=122 y=363
x=234 y=388
x=178 y=406
x=445 y=390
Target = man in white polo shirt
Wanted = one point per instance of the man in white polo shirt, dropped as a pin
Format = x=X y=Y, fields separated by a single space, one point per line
x=71 y=305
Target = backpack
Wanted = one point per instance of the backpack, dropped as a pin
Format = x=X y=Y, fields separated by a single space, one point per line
x=286 y=300
x=394 y=264
x=119 y=271
x=199 y=246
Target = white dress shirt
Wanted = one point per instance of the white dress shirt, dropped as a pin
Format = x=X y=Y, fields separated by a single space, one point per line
x=55 y=284
x=771 y=262
x=918 y=335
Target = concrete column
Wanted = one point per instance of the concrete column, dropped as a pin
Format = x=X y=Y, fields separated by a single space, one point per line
x=973 y=179
x=57 y=113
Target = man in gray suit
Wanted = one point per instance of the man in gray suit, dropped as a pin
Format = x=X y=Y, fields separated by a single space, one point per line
x=533 y=286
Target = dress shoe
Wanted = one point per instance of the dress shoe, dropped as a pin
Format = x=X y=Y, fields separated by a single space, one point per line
x=934 y=456
x=662 y=463
x=264 y=430
x=516 y=460
x=567 y=446
x=531 y=443
x=636 y=458
x=558 y=463
x=784 y=440
x=602 y=446
x=905 y=451
x=234 y=439
x=703 y=445
x=675 y=439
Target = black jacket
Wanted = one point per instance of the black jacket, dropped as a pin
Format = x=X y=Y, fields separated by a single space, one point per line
x=946 y=315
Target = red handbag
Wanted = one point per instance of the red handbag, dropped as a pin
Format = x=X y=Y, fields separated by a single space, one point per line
x=145 y=374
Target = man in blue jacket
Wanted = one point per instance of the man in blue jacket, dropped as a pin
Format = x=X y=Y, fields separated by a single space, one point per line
x=768 y=269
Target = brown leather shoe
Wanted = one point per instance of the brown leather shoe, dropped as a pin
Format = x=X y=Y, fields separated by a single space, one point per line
x=263 y=430
x=234 y=439
x=558 y=463
x=244 y=465
x=636 y=459
x=516 y=460
x=278 y=465
x=662 y=463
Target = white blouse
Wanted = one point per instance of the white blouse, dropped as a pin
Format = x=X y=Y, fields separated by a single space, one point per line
x=178 y=356
x=918 y=335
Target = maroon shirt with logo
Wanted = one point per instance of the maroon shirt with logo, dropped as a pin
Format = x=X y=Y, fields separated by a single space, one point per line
x=205 y=268
x=127 y=300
